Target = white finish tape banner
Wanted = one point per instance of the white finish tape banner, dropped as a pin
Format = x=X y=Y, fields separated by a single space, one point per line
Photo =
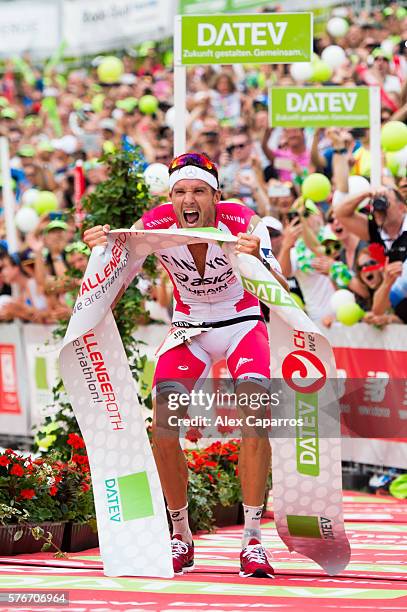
x=132 y=524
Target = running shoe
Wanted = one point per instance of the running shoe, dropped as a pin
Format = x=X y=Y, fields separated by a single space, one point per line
x=254 y=561
x=182 y=555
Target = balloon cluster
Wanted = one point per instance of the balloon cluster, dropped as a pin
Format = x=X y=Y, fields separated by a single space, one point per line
x=347 y=311
x=34 y=204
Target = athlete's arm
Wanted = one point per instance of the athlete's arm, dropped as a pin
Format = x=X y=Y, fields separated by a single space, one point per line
x=259 y=232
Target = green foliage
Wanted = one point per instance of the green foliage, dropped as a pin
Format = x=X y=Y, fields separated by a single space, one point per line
x=200 y=502
x=118 y=201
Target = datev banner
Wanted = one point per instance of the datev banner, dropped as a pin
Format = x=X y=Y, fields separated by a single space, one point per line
x=319 y=107
x=240 y=39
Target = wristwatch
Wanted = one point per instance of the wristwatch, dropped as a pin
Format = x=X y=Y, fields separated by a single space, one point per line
x=342 y=151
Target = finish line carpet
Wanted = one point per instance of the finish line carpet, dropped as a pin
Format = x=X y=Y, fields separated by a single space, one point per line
x=376 y=578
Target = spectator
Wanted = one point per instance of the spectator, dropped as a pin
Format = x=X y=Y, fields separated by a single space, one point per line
x=30 y=305
x=242 y=177
x=387 y=225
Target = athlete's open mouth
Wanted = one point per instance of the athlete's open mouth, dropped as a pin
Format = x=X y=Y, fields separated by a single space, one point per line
x=191 y=217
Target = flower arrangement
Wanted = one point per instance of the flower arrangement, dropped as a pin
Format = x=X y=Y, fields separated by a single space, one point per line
x=47 y=488
x=213 y=479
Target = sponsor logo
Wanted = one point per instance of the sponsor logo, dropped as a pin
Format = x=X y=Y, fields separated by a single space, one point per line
x=307 y=440
x=241 y=34
x=241 y=362
x=310 y=527
x=182 y=367
x=304 y=372
x=128 y=497
x=332 y=102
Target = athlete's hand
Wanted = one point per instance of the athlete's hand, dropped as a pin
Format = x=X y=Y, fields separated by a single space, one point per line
x=248 y=243
x=96 y=236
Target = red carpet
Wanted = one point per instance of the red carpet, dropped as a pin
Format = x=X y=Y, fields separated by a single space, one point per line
x=376 y=578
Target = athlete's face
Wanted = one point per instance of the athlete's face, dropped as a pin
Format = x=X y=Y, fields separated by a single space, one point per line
x=194 y=203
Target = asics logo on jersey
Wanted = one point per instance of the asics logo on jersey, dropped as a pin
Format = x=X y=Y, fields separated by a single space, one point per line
x=207 y=280
x=241 y=362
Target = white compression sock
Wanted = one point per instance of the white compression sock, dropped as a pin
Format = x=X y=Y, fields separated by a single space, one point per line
x=180 y=524
x=252 y=516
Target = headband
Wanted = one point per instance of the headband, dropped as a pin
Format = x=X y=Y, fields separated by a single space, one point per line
x=192 y=172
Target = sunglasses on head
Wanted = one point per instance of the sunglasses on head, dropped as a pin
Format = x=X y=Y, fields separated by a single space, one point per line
x=193 y=159
x=330 y=249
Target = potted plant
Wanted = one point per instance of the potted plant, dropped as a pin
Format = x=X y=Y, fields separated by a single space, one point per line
x=214 y=485
x=74 y=493
x=30 y=516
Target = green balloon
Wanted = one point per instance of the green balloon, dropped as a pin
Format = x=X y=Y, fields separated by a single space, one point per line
x=110 y=69
x=349 y=314
x=108 y=147
x=148 y=104
x=97 y=102
x=316 y=187
x=398 y=488
x=394 y=136
x=321 y=72
x=46 y=202
x=168 y=59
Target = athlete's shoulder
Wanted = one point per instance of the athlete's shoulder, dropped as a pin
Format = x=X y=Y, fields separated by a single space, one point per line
x=159 y=217
x=234 y=215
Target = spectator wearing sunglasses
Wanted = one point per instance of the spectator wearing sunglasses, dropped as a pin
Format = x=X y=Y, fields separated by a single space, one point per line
x=242 y=177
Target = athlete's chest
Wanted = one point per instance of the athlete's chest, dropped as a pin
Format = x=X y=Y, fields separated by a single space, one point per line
x=215 y=273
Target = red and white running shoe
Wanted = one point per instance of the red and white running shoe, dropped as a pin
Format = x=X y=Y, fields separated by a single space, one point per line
x=254 y=561
x=182 y=555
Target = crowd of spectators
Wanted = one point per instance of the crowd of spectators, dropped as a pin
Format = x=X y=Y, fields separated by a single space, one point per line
x=357 y=242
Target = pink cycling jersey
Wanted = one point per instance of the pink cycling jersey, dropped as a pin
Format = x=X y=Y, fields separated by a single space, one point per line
x=218 y=295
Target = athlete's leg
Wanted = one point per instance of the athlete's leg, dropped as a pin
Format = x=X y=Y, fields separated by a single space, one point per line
x=177 y=372
x=249 y=363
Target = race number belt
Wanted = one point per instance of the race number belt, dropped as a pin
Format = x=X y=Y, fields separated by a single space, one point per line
x=188 y=324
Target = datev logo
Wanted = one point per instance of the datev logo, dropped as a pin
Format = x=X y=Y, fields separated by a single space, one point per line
x=129 y=497
x=304 y=372
x=310 y=527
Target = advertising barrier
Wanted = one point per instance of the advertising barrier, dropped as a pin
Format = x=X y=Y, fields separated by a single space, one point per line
x=86 y=26
x=373 y=362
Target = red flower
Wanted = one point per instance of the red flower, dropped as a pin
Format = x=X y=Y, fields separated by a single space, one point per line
x=4 y=460
x=85 y=468
x=233 y=457
x=210 y=477
x=17 y=470
x=27 y=493
x=75 y=441
x=85 y=487
x=80 y=459
x=53 y=490
x=8 y=451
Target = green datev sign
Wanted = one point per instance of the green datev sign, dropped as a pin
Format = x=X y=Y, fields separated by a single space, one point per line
x=188 y=7
x=319 y=107
x=247 y=39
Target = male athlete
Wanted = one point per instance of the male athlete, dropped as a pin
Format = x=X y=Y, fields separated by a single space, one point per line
x=206 y=290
